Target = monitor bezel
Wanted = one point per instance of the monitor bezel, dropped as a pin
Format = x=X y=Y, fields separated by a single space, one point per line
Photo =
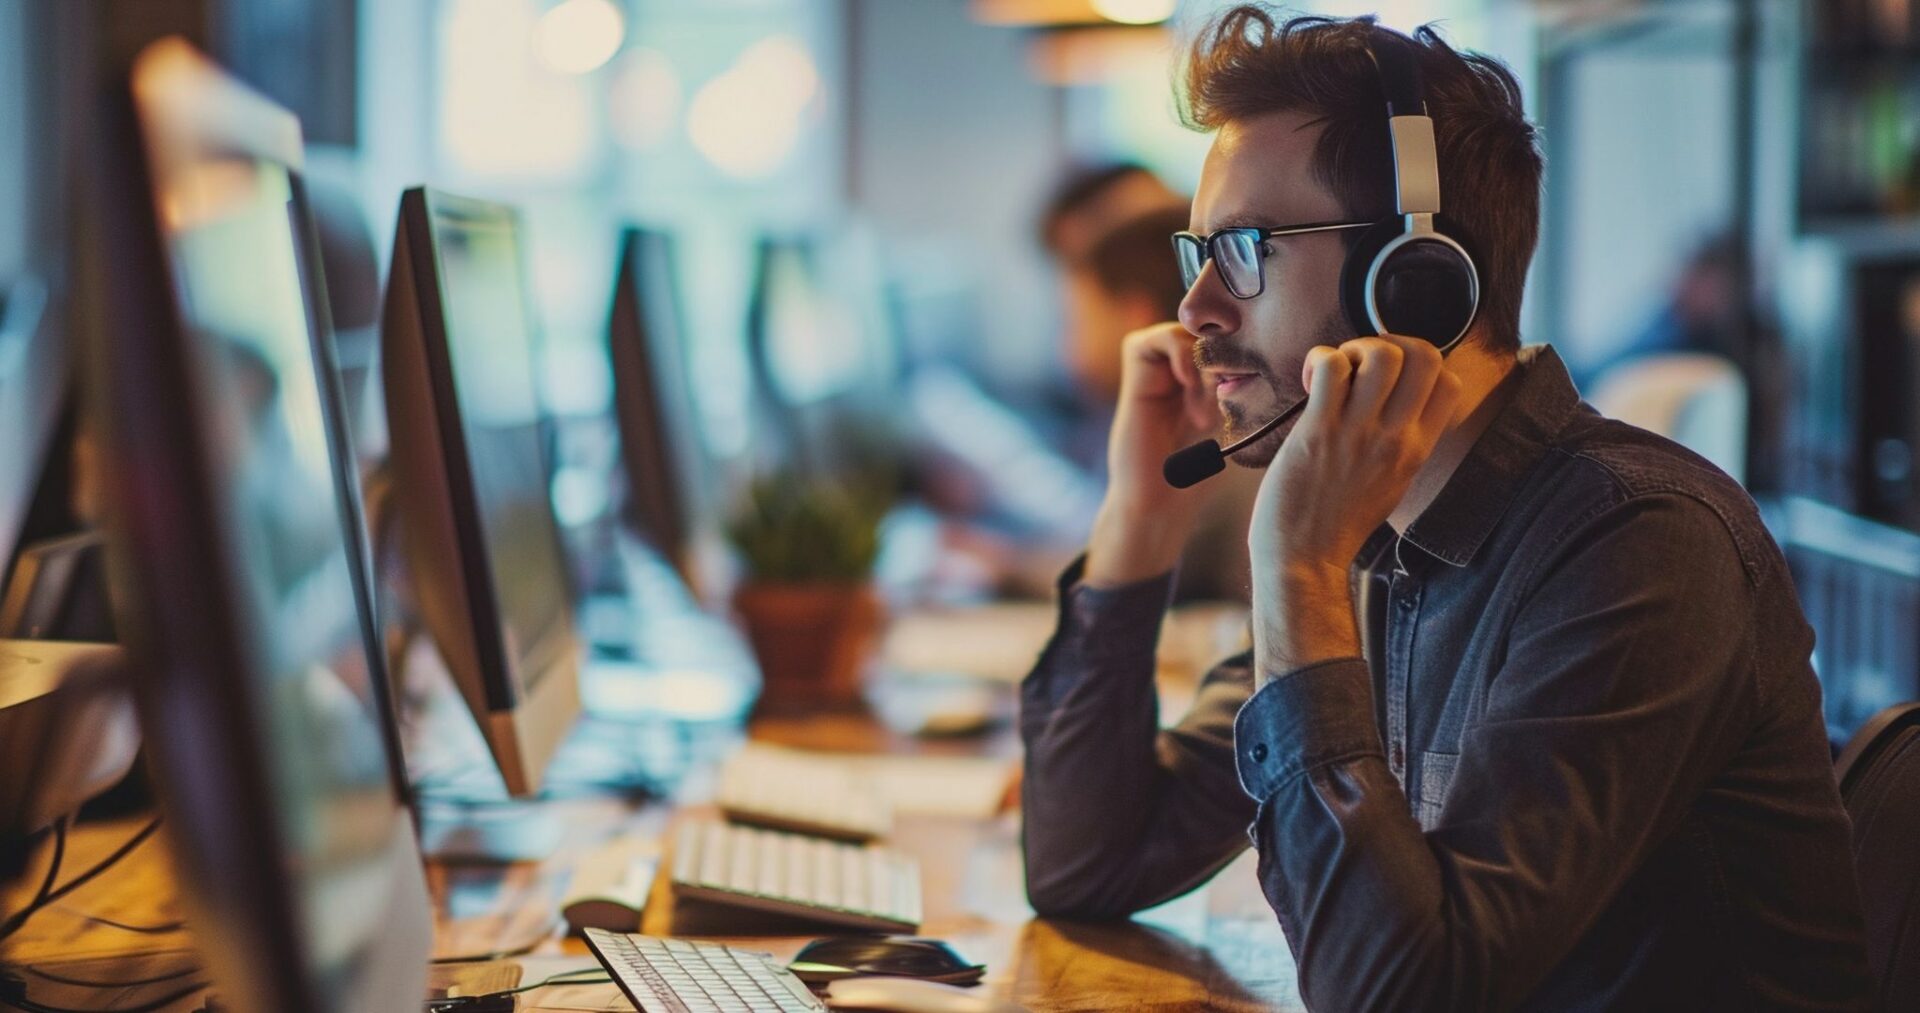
x=443 y=531
x=176 y=577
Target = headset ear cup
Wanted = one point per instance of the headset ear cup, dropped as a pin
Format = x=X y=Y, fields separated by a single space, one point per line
x=1426 y=288
x=1353 y=273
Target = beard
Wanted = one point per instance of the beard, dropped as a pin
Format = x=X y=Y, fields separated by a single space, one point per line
x=1238 y=419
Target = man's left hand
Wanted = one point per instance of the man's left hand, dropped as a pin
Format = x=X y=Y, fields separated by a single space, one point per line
x=1378 y=407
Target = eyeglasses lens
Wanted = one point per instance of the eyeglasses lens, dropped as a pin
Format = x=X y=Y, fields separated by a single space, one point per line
x=1237 y=255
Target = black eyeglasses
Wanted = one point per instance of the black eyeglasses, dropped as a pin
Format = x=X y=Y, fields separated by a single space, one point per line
x=1238 y=254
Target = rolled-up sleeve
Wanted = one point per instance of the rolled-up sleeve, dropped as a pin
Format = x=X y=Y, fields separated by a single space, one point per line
x=1120 y=815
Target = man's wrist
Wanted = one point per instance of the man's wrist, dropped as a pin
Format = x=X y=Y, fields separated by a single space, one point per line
x=1303 y=616
x=1129 y=544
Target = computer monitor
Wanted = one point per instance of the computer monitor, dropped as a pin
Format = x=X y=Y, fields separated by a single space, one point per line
x=33 y=375
x=470 y=476
x=660 y=451
x=822 y=354
x=238 y=560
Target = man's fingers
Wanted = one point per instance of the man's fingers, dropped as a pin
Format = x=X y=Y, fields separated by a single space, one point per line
x=1420 y=367
x=1169 y=344
x=1327 y=374
x=1437 y=413
x=1376 y=370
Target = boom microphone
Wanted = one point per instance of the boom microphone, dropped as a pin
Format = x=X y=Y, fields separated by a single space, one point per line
x=1193 y=465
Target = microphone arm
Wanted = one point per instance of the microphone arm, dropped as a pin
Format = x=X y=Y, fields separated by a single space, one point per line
x=1233 y=448
x=1203 y=460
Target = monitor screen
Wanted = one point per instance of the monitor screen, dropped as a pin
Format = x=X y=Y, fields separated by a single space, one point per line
x=491 y=349
x=31 y=375
x=236 y=527
x=279 y=478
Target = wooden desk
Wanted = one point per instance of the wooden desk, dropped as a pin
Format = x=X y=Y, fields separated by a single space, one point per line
x=1218 y=948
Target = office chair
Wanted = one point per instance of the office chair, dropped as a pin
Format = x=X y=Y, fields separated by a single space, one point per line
x=1879 y=775
x=1696 y=400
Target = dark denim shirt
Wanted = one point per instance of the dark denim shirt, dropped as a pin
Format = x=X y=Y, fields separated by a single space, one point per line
x=1581 y=766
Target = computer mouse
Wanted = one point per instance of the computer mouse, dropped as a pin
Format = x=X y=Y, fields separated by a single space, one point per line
x=906 y=995
x=906 y=956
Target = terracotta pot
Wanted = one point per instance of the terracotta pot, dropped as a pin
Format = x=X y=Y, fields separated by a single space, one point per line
x=814 y=642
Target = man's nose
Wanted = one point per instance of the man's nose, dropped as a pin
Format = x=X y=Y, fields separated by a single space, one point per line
x=1208 y=308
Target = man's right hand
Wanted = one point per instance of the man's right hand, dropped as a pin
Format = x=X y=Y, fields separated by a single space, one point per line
x=1165 y=404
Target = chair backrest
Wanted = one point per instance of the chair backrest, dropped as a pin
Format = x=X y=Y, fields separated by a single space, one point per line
x=1859 y=582
x=1696 y=400
x=1879 y=775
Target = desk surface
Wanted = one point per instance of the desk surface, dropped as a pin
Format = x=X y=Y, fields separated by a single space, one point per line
x=1218 y=948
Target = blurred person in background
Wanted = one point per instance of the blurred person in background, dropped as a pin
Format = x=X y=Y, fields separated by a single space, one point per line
x=1530 y=720
x=1107 y=230
x=1127 y=281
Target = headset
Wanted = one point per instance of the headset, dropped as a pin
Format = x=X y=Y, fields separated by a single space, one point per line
x=1404 y=275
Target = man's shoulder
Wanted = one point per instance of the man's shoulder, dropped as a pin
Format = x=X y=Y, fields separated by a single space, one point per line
x=1609 y=464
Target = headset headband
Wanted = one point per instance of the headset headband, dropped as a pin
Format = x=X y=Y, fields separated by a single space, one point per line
x=1416 y=163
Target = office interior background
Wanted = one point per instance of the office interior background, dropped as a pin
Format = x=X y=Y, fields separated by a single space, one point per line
x=853 y=192
x=1731 y=178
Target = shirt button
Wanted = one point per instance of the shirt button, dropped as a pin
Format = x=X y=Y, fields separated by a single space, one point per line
x=1259 y=752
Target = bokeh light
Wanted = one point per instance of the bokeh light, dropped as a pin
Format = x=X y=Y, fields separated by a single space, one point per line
x=579 y=36
x=1134 y=12
x=644 y=103
x=748 y=120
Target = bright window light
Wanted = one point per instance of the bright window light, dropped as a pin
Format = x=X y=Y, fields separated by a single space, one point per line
x=579 y=36
x=502 y=114
x=1134 y=12
x=644 y=103
x=749 y=120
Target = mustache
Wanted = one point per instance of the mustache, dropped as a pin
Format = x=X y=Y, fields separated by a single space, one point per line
x=1211 y=353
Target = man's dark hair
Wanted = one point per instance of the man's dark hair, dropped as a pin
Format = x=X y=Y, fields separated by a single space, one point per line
x=1136 y=257
x=1247 y=61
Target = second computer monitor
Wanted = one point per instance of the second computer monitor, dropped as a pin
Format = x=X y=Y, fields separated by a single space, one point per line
x=660 y=451
x=470 y=475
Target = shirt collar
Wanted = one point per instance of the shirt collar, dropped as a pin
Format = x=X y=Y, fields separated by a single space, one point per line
x=1543 y=400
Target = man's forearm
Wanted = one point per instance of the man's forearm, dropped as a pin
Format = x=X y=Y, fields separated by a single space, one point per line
x=1131 y=543
x=1119 y=815
x=1303 y=615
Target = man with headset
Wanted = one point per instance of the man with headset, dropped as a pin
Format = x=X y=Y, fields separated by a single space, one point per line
x=1529 y=721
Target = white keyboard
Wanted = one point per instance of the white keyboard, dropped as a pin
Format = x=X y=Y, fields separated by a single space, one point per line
x=805 y=877
x=677 y=976
x=787 y=790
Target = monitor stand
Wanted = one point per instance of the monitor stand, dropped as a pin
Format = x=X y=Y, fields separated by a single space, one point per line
x=488 y=833
x=460 y=804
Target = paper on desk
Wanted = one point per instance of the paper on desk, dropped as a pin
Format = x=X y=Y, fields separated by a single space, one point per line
x=998 y=642
x=1001 y=642
x=590 y=998
x=965 y=786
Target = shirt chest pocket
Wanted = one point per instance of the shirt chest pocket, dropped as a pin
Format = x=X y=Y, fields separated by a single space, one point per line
x=1436 y=779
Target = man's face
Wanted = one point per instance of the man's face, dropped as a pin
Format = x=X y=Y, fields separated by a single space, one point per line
x=1258 y=173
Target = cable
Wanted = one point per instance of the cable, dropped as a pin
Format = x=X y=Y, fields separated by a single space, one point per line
x=49 y=893
x=45 y=894
x=596 y=976
x=453 y=1004
x=27 y=1005
x=156 y=930
x=108 y=862
x=130 y=983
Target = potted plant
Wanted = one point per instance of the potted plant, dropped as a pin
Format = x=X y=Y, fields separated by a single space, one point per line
x=807 y=546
